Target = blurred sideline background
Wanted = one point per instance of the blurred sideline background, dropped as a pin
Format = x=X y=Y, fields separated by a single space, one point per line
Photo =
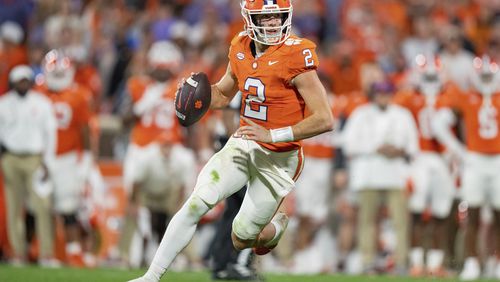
x=108 y=41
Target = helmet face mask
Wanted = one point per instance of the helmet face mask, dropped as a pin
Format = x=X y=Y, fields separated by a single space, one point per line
x=261 y=20
x=58 y=70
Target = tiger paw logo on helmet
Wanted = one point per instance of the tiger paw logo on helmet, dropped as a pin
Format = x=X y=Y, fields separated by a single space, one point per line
x=267 y=35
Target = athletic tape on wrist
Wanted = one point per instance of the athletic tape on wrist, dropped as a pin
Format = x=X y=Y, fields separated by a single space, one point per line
x=284 y=134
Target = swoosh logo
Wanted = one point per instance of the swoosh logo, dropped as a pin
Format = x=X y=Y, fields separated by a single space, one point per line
x=273 y=62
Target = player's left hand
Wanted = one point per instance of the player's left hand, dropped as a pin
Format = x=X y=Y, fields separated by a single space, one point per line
x=253 y=131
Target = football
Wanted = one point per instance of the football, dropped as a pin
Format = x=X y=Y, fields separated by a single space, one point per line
x=192 y=100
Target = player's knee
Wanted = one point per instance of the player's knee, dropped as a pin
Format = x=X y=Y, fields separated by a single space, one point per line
x=244 y=232
x=202 y=200
x=70 y=219
x=196 y=207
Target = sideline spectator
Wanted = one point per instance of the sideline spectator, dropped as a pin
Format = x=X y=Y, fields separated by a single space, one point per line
x=28 y=136
x=380 y=138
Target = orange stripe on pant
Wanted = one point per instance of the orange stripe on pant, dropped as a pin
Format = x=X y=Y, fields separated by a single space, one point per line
x=300 y=165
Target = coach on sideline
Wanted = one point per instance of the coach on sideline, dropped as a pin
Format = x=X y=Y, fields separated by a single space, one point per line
x=380 y=138
x=27 y=139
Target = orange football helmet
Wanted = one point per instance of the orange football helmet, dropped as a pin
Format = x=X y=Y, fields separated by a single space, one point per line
x=429 y=76
x=262 y=34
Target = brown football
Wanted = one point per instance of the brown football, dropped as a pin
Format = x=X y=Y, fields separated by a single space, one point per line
x=193 y=99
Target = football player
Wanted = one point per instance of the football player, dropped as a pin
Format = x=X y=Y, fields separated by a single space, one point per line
x=276 y=73
x=73 y=156
x=433 y=186
x=480 y=154
x=157 y=166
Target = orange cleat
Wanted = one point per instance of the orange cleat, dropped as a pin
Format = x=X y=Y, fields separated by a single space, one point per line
x=75 y=260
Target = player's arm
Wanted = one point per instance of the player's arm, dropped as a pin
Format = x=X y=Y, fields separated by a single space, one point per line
x=314 y=94
x=224 y=90
x=442 y=125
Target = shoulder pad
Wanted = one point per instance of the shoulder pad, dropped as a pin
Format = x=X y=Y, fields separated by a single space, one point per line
x=238 y=38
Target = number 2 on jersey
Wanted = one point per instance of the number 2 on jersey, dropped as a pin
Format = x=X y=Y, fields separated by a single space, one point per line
x=255 y=85
x=308 y=57
x=253 y=107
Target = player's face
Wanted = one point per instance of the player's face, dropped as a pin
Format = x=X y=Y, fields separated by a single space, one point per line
x=382 y=99
x=161 y=74
x=268 y=21
x=430 y=85
x=486 y=77
x=22 y=86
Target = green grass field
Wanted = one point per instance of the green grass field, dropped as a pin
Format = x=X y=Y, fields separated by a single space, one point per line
x=35 y=274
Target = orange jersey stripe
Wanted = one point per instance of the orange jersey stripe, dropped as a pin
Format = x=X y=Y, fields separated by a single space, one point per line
x=300 y=165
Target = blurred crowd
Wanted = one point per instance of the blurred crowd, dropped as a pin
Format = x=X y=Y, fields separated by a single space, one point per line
x=413 y=84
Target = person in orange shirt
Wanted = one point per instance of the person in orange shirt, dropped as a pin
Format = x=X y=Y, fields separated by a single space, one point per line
x=480 y=111
x=433 y=186
x=86 y=74
x=153 y=178
x=73 y=153
x=276 y=74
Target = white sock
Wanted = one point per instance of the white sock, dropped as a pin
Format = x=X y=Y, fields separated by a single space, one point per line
x=417 y=257
x=89 y=259
x=179 y=233
x=73 y=248
x=280 y=224
x=435 y=259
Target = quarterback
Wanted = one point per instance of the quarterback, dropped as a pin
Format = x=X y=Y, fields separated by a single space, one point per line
x=276 y=74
